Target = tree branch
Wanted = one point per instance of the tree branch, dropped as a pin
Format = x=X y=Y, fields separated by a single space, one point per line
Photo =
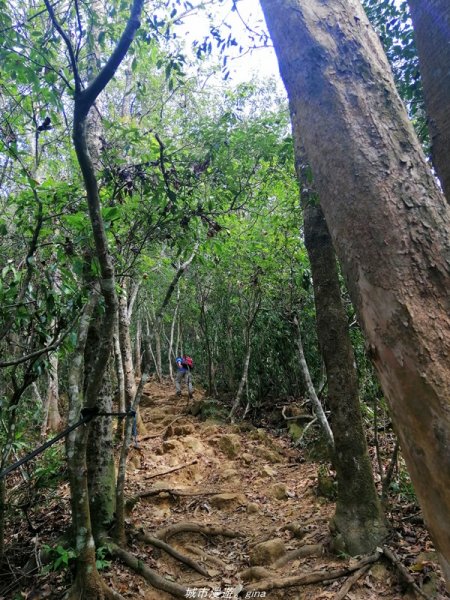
x=66 y=39
x=87 y=97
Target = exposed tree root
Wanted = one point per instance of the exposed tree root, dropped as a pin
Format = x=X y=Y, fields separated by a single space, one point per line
x=193 y=462
x=256 y=574
x=214 y=560
x=95 y=589
x=148 y=574
x=303 y=552
x=265 y=537
x=188 y=527
x=149 y=539
x=351 y=582
x=168 y=490
x=313 y=577
x=404 y=573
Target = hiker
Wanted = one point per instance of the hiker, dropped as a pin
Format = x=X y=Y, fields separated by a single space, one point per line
x=184 y=366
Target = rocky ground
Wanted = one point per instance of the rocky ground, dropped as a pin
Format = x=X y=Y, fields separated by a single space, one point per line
x=246 y=509
x=223 y=511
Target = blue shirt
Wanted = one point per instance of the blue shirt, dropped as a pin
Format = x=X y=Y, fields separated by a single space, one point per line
x=180 y=365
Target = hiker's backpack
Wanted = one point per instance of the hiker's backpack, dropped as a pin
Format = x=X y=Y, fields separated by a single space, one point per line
x=188 y=362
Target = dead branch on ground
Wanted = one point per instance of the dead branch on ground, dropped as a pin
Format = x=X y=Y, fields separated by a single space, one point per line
x=168 y=490
x=351 y=582
x=403 y=572
x=193 y=462
x=162 y=432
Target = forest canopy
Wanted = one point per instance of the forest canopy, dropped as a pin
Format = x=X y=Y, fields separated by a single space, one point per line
x=157 y=201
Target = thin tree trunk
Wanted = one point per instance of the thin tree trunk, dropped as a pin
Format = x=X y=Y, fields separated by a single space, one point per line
x=2 y=517
x=431 y=20
x=126 y=350
x=172 y=355
x=157 y=337
x=54 y=420
x=138 y=349
x=178 y=346
x=253 y=311
x=149 y=346
x=127 y=359
x=75 y=448
x=358 y=520
x=389 y=222
x=205 y=330
x=132 y=298
x=317 y=405
x=244 y=377
x=87 y=582
x=120 y=377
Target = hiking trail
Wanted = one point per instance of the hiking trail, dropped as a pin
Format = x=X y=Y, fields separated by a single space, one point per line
x=243 y=505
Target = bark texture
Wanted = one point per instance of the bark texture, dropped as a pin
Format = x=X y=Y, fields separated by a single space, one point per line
x=88 y=583
x=358 y=521
x=100 y=463
x=389 y=222
x=431 y=20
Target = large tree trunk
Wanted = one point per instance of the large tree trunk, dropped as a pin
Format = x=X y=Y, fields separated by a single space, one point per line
x=358 y=520
x=100 y=462
x=88 y=583
x=120 y=533
x=431 y=20
x=389 y=223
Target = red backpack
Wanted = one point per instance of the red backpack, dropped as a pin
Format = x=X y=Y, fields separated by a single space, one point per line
x=188 y=362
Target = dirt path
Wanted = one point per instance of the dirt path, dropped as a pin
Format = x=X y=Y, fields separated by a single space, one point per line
x=238 y=478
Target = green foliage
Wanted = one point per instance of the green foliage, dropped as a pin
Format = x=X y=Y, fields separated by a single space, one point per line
x=101 y=562
x=50 y=468
x=402 y=486
x=60 y=557
x=184 y=164
x=392 y=22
